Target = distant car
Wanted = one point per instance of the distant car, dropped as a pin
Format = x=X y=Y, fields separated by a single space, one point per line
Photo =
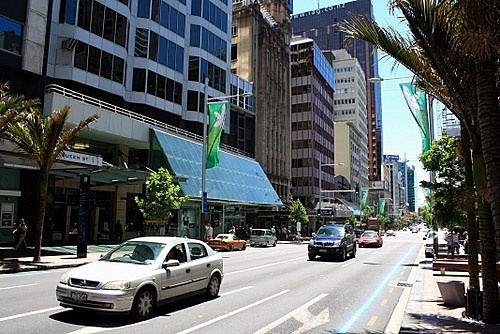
x=429 y=243
x=333 y=240
x=414 y=229
x=262 y=237
x=141 y=274
x=370 y=238
x=227 y=242
x=390 y=233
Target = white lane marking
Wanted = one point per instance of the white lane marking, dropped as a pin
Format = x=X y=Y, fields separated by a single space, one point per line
x=303 y=315
x=31 y=313
x=346 y=264
x=230 y=314
x=93 y=330
x=263 y=266
x=18 y=286
x=235 y=291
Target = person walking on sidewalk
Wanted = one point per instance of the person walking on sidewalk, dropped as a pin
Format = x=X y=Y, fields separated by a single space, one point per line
x=22 y=229
x=118 y=231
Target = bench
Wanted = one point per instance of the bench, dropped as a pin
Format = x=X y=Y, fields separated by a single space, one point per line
x=448 y=256
x=455 y=264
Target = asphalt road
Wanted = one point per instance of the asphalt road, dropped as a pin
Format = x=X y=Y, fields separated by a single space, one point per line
x=265 y=290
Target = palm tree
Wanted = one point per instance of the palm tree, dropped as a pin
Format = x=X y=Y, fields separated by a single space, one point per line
x=43 y=138
x=11 y=107
x=437 y=54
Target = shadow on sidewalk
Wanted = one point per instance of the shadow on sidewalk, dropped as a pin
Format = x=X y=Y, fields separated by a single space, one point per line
x=431 y=323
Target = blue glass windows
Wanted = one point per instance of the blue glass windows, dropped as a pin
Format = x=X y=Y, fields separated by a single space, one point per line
x=12 y=32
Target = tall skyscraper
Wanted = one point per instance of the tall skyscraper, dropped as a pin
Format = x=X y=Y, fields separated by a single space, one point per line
x=322 y=26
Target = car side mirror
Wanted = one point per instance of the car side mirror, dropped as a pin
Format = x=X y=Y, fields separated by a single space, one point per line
x=424 y=238
x=314 y=235
x=171 y=263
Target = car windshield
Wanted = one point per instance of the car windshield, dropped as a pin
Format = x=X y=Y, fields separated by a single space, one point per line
x=330 y=232
x=258 y=232
x=370 y=234
x=222 y=236
x=135 y=252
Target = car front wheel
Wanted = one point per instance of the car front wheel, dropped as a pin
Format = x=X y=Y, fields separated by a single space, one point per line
x=144 y=304
x=213 y=287
x=312 y=257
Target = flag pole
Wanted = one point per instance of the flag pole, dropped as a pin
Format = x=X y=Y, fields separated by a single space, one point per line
x=204 y=153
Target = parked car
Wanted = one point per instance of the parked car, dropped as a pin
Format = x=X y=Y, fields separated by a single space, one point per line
x=227 y=242
x=390 y=233
x=262 y=237
x=333 y=240
x=370 y=238
x=141 y=274
x=429 y=243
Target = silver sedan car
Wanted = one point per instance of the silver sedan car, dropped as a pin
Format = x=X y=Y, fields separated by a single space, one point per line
x=141 y=274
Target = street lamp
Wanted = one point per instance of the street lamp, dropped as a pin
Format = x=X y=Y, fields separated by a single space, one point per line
x=321 y=165
x=377 y=79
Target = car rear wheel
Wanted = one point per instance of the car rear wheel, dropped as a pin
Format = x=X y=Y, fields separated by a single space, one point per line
x=231 y=247
x=274 y=243
x=213 y=287
x=144 y=304
x=244 y=247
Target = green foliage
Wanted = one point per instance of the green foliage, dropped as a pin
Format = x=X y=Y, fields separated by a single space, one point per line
x=297 y=209
x=384 y=220
x=446 y=201
x=367 y=213
x=162 y=196
x=352 y=220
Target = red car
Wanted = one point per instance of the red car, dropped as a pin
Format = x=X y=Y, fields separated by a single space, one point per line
x=370 y=238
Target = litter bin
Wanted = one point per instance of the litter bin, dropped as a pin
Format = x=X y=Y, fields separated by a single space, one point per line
x=452 y=292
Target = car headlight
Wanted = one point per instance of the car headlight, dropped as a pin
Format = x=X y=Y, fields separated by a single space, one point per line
x=337 y=243
x=64 y=279
x=116 y=285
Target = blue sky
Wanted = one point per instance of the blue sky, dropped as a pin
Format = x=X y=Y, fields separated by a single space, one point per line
x=400 y=132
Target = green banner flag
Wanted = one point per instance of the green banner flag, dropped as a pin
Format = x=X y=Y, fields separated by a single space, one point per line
x=216 y=117
x=417 y=102
x=364 y=196
x=381 y=204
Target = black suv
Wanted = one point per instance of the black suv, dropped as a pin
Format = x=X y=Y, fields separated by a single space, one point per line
x=333 y=240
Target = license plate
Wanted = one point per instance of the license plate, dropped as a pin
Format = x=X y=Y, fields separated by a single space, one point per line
x=322 y=250
x=79 y=296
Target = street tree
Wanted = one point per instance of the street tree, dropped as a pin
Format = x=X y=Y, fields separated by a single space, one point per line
x=461 y=74
x=12 y=106
x=43 y=139
x=448 y=203
x=162 y=196
x=366 y=214
x=298 y=213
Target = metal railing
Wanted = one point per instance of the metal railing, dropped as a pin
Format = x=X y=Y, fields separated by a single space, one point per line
x=52 y=88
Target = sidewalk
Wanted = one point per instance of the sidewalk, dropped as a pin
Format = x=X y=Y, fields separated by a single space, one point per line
x=425 y=311
x=420 y=309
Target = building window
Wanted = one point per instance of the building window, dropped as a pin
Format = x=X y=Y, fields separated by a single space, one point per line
x=11 y=35
x=139 y=80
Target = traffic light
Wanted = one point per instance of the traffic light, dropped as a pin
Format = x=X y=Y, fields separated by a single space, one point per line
x=357 y=189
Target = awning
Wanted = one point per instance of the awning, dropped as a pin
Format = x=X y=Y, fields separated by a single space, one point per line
x=236 y=179
x=352 y=207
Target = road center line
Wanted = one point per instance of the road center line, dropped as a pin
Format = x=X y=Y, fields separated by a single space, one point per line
x=18 y=286
x=31 y=313
x=263 y=266
x=230 y=314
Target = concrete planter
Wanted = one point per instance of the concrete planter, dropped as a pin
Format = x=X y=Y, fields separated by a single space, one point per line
x=452 y=292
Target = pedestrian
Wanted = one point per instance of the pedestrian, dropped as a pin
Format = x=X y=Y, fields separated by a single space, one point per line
x=232 y=230
x=273 y=230
x=22 y=230
x=118 y=232
x=209 y=232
